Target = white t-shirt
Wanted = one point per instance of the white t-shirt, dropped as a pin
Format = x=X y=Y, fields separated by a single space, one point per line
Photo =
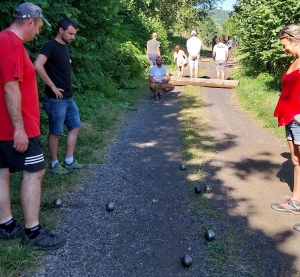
x=193 y=46
x=221 y=49
x=158 y=73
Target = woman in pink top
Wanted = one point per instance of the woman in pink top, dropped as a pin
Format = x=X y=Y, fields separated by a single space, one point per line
x=288 y=113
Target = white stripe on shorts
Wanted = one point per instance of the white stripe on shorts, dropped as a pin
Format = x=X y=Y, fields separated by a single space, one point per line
x=34 y=159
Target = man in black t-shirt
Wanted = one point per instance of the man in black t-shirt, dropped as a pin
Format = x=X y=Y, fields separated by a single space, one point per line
x=53 y=65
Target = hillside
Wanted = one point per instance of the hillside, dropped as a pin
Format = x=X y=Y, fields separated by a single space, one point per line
x=219 y=16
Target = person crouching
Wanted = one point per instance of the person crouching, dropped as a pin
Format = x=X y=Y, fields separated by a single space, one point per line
x=159 y=79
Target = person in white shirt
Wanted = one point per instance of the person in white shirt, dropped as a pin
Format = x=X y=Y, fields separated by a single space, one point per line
x=220 y=55
x=159 y=79
x=194 y=45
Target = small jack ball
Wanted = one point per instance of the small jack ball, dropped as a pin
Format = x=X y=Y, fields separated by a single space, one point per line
x=57 y=202
x=208 y=188
x=198 y=189
x=186 y=261
x=182 y=167
x=110 y=206
x=209 y=235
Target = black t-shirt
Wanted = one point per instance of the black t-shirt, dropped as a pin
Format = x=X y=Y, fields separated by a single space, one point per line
x=58 y=67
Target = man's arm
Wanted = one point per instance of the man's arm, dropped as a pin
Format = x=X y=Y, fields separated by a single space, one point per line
x=167 y=78
x=158 y=51
x=147 y=51
x=214 y=54
x=13 y=101
x=40 y=69
x=188 y=48
x=151 y=79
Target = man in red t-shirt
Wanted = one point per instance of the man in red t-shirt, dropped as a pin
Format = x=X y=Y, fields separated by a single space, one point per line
x=20 y=147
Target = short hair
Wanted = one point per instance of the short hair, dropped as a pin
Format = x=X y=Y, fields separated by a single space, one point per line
x=21 y=21
x=290 y=32
x=66 y=22
x=158 y=57
x=154 y=35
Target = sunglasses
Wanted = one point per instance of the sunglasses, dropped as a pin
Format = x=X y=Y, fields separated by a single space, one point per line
x=284 y=32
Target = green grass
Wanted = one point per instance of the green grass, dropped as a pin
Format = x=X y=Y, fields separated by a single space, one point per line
x=101 y=118
x=259 y=96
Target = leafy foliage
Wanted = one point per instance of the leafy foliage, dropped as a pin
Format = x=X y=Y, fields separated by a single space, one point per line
x=257 y=24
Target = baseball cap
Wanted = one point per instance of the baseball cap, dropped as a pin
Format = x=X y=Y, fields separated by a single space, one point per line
x=29 y=10
x=193 y=32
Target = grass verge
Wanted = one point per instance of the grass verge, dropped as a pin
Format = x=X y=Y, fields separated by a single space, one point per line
x=101 y=118
x=259 y=95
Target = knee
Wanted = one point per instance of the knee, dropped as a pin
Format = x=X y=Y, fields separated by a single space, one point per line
x=152 y=86
x=295 y=162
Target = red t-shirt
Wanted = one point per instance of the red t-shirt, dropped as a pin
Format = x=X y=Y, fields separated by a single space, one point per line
x=15 y=64
x=289 y=101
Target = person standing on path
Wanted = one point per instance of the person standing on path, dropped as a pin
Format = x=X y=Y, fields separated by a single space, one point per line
x=53 y=65
x=193 y=45
x=288 y=112
x=153 y=49
x=159 y=79
x=20 y=146
x=180 y=59
x=220 y=55
x=213 y=42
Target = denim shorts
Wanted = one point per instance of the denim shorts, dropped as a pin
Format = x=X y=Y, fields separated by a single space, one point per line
x=61 y=112
x=292 y=131
x=152 y=58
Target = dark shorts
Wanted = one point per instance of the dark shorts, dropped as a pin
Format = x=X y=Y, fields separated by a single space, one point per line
x=60 y=113
x=152 y=58
x=32 y=160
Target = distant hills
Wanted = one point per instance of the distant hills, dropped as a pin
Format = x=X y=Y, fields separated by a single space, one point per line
x=219 y=16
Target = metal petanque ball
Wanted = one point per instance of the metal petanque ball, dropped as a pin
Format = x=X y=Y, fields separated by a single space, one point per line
x=186 y=261
x=182 y=167
x=198 y=190
x=57 y=202
x=209 y=235
x=208 y=189
x=110 y=206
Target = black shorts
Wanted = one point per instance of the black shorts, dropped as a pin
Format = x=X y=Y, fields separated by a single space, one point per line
x=32 y=160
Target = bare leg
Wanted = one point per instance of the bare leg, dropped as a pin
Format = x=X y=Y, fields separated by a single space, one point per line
x=31 y=197
x=295 y=156
x=191 y=71
x=223 y=75
x=182 y=70
x=5 y=208
x=71 y=141
x=218 y=74
x=196 y=72
x=52 y=146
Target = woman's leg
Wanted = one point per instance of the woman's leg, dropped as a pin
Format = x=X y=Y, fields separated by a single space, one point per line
x=295 y=157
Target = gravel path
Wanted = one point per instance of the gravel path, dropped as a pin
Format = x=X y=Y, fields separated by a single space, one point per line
x=141 y=238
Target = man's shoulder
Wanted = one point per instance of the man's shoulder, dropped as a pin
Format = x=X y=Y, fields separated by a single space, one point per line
x=221 y=45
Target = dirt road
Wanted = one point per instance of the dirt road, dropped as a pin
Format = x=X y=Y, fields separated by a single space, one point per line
x=250 y=170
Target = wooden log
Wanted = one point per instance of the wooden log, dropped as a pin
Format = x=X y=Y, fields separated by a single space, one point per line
x=203 y=82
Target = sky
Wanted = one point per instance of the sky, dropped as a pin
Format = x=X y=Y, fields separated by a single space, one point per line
x=227 y=5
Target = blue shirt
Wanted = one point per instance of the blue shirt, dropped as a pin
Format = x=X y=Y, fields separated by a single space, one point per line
x=158 y=73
